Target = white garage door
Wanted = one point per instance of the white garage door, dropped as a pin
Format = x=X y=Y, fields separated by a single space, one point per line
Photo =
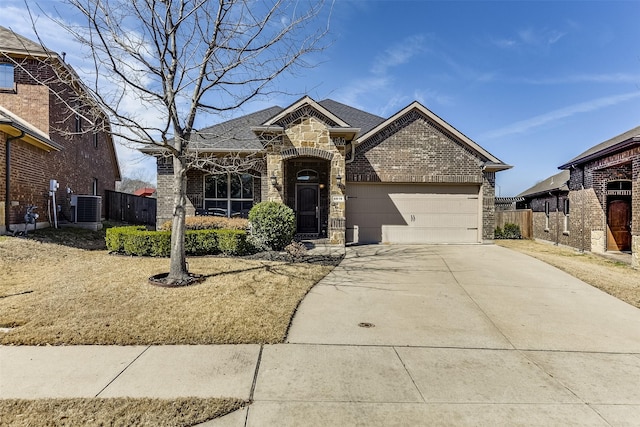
x=413 y=213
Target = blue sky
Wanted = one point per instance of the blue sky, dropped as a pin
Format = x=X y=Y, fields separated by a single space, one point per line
x=534 y=82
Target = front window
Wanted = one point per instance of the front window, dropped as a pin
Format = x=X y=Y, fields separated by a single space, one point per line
x=566 y=216
x=229 y=195
x=6 y=76
x=546 y=216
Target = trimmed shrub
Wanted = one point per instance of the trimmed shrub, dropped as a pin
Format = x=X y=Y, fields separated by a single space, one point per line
x=210 y=223
x=202 y=242
x=273 y=225
x=138 y=241
x=147 y=243
x=114 y=237
x=233 y=242
x=510 y=231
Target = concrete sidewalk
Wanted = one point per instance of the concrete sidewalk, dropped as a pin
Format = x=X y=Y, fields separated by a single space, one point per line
x=414 y=335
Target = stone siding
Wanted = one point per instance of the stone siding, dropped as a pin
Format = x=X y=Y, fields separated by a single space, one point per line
x=308 y=137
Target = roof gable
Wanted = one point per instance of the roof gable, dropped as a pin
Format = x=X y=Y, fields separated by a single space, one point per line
x=301 y=108
x=492 y=162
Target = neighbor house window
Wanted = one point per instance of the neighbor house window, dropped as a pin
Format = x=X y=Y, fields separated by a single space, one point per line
x=6 y=76
x=546 y=216
x=566 y=216
x=229 y=195
x=95 y=139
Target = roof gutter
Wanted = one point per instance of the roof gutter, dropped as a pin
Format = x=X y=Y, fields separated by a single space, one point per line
x=610 y=150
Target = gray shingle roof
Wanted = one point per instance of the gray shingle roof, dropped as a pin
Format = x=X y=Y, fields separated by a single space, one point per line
x=236 y=134
x=556 y=182
x=356 y=118
x=11 y=42
x=605 y=147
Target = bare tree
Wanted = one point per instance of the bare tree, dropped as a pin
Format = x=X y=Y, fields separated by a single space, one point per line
x=176 y=60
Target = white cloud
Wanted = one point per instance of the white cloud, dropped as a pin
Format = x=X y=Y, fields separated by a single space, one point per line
x=399 y=54
x=587 y=78
x=532 y=37
x=523 y=126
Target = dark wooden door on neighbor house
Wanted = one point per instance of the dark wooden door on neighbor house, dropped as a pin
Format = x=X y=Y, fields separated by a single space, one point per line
x=619 y=225
x=307 y=208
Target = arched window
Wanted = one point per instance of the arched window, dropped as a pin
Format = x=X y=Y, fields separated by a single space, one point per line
x=619 y=185
x=307 y=175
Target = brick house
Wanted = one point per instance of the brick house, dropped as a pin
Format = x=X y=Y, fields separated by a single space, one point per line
x=43 y=138
x=548 y=201
x=349 y=175
x=598 y=203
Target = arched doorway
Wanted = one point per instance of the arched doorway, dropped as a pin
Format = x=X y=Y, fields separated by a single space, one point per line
x=619 y=216
x=307 y=180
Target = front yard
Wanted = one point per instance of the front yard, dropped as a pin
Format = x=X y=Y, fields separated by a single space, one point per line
x=55 y=294
x=615 y=278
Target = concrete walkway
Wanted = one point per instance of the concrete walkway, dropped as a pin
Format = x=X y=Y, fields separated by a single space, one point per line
x=395 y=335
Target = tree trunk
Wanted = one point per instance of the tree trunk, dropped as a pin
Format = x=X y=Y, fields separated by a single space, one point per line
x=178 y=265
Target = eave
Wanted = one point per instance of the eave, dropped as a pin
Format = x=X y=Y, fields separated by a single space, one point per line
x=15 y=127
x=622 y=146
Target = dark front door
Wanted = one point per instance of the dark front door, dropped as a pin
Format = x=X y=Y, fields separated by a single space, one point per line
x=307 y=208
x=619 y=226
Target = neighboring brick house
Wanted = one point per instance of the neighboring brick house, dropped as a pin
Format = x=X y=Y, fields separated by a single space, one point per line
x=42 y=138
x=602 y=191
x=548 y=201
x=349 y=175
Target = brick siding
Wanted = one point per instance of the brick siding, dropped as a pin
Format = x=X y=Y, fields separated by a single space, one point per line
x=415 y=150
x=75 y=166
x=588 y=203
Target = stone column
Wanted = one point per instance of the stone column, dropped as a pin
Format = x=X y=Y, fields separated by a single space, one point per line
x=275 y=168
x=337 y=210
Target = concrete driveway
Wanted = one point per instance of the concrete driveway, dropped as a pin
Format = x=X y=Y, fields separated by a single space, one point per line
x=452 y=335
x=394 y=336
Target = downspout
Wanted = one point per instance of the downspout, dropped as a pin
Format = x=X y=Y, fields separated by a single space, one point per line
x=7 y=186
x=353 y=156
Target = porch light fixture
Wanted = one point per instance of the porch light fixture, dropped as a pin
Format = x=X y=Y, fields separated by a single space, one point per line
x=274 y=180
x=339 y=180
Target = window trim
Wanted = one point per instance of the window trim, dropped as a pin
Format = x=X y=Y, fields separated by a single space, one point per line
x=12 y=72
x=229 y=199
x=566 y=211
x=546 y=215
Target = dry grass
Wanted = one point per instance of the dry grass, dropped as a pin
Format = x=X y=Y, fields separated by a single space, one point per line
x=615 y=278
x=114 y=412
x=53 y=294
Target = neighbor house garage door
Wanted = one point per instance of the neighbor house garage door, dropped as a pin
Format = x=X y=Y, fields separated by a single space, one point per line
x=413 y=213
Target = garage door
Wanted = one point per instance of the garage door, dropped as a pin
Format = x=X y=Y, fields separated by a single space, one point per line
x=413 y=213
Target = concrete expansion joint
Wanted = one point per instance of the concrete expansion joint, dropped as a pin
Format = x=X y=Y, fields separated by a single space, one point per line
x=255 y=373
x=123 y=370
x=415 y=385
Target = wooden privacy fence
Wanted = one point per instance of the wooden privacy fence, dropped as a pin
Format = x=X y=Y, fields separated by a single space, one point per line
x=129 y=208
x=522 y=217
